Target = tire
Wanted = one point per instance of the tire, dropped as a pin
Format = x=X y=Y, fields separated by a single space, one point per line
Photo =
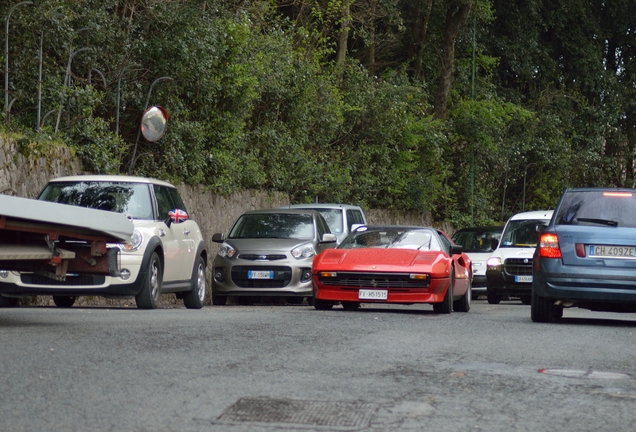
x=292 y=300
x=463 y=304
x=322 y=304
x=148 y=297
x=64 y=301
x=195 y=298
x=526 y=299
x=543 y=309
x=8 y=301
x=446 y=306
x=350 y=306
x=492 y=297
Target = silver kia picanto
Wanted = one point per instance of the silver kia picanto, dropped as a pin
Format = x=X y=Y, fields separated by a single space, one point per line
x=269 y=253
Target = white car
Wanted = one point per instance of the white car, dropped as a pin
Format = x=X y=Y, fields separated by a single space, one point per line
x=340 y=217
x=167 y=253
x=478 y=243
x=509 y=268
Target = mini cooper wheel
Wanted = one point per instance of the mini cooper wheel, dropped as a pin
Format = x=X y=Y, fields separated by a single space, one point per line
x=64 y=301
x=195 y=298
x=148 y=297
x=8 y=301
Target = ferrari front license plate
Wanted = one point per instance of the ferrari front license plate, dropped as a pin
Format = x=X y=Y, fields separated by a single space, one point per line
x=523 y=279
x=373 y=294
x=612 y=251
x=260 y=274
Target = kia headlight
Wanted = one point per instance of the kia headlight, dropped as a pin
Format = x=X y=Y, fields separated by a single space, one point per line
x=227 y=251
x=303 y=251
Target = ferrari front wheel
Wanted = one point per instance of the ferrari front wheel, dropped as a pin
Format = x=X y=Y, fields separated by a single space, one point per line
x=463 y=304
x=446 y=305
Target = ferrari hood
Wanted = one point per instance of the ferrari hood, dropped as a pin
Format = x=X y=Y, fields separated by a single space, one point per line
x=380 y=258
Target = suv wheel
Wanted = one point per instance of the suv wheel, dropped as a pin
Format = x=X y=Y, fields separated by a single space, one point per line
x=148 y=297
x=195 y=298
x=543 y=309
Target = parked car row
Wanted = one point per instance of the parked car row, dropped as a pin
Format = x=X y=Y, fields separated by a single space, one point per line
x=582 y=254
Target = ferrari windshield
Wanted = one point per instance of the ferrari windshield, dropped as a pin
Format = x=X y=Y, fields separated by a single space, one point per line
x=274 y=225
x=128 y=198
x=398 y=238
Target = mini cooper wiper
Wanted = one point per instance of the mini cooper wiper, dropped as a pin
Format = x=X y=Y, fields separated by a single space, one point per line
x=598 y=221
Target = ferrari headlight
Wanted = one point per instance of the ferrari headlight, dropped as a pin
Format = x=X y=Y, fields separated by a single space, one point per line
x=227 y=251
x=303 y=251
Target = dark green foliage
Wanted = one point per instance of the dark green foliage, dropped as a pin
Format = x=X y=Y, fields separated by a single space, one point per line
x=256 y=100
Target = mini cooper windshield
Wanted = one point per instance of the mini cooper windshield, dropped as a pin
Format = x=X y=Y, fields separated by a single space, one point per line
x=128 y=198
x=274 y=225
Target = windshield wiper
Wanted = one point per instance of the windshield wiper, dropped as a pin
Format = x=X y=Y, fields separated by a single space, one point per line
x=598 y=221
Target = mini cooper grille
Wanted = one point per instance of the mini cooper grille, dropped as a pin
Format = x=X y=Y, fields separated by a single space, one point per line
x=374 y=280
x=518 y=266
x=265 y=257
x=282 y=277
x=34 y=279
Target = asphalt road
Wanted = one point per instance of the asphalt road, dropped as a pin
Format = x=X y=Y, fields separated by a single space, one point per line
x=292 y=368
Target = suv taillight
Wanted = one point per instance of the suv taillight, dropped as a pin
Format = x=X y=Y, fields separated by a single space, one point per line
x=549 y=246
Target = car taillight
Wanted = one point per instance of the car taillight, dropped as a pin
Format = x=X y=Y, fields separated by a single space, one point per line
x=549 y=246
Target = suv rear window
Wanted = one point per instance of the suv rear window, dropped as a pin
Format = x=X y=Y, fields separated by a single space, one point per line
x=598 y=207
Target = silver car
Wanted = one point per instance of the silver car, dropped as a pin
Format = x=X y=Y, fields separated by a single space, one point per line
x=340 y=217
x=269 y=253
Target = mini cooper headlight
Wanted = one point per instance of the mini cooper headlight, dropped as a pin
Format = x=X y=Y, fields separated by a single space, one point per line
x=135 y=242
x=227 y=251
x=303 y=251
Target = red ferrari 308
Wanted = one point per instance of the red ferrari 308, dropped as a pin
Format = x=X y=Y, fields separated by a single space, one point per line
x=393 y=264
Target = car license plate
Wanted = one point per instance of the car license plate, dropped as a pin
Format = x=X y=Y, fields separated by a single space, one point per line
x=260 y=274
x=612 y=251
x=523 y=279
x=373 y=294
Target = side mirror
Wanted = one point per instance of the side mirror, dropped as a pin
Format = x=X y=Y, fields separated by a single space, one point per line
x=328 y=238
x=218 y=238
x=494 y=244
x=177 y=216
x=356 y=226
x=456 y=250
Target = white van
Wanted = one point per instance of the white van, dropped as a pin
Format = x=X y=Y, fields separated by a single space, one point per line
x=509 y=268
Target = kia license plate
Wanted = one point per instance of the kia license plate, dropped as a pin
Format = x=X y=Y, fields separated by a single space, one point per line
x=364 y=294
x=260 y=274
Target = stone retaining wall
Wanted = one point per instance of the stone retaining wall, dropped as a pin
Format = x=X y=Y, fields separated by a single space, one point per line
x=25 y=176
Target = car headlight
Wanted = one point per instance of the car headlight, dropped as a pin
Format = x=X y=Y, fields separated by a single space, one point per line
x=493 y=262
x=303 y=251
x=227 y=251
x=135 y=242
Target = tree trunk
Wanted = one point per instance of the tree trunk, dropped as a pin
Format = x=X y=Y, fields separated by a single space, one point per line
x=420 y=41
x=341 y=56
x=456 y=16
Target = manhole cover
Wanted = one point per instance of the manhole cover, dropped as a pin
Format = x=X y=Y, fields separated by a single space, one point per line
x=302 y=412
x=574 y=373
